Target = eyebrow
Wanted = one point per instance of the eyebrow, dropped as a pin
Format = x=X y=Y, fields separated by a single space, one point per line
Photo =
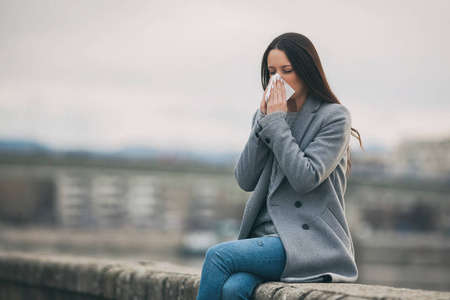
x=281 y=66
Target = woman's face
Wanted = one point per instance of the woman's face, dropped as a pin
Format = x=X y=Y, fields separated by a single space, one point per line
x=277 y=62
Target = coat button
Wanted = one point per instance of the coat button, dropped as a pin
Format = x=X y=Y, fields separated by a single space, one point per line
x=305 y=226
x=298 y=204
x=257 y=134
x=267 y=140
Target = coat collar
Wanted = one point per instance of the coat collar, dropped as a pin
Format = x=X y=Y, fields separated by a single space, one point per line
x=305 y=116
x=311 y=104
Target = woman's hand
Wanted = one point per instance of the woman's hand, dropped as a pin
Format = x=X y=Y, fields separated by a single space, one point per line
x=277 y=98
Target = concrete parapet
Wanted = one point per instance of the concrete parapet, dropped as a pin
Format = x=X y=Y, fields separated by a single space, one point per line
x=341 y=291
x=46 y=276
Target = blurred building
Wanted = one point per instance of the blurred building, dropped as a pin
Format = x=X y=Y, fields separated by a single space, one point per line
x=110 y=198
x=26 y=200
x=422 y=159
x=202 y=211
x=109 y=201
x=143 y=203
x=73 y=201
x=373 y=166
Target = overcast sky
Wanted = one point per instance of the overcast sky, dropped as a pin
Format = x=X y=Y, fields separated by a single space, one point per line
x=108 y=74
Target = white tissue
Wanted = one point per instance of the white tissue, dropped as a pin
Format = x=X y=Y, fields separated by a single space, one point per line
x=289 y=91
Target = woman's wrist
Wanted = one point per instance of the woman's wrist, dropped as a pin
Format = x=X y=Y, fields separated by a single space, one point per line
x=265 y=120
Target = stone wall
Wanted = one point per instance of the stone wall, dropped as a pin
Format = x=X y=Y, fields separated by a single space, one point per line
x=44 y=276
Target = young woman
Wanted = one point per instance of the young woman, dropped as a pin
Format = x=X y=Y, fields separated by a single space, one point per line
x=296 y=162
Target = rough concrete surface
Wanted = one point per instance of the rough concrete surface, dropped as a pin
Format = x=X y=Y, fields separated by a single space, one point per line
x=45 y=276
x=309 y=291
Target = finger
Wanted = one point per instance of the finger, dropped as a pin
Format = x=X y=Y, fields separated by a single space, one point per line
x=268 y=89
x=263 y=105
x=278 y=91
x=283 y=91
x=272 y=92
x=274 y=88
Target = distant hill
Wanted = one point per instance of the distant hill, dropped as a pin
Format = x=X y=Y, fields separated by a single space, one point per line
x=152 y=153
x=31 y=148
x=22 y=147
x=371 y=149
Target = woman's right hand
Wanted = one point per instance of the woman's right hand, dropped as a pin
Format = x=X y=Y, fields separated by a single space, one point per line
x=277 y=94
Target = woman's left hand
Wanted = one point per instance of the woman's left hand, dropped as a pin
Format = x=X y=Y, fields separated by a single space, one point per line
x=277 y=100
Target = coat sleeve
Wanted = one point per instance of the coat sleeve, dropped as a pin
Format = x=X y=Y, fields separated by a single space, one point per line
x=251 y=162
x=308 y=168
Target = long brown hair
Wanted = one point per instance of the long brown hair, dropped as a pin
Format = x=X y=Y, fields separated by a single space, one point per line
x=305 y=61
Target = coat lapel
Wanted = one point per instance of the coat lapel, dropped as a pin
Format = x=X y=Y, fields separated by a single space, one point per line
x=299 y=129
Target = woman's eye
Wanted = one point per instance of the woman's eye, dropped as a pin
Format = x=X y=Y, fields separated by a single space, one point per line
x=284 y=72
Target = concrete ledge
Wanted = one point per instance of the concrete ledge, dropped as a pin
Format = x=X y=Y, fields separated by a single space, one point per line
x=42 y=276
x=341 y=291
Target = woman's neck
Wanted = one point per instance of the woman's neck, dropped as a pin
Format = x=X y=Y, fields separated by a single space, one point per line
x=294 y=105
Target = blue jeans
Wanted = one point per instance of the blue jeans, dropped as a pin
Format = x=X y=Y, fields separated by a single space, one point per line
x=232 y=270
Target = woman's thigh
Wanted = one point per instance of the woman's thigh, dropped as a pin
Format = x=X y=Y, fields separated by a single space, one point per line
x=264 y=257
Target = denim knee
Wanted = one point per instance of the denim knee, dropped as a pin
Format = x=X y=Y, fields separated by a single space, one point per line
x=239 y=286
x=212 y=250
x=219 y=257
x=212 y=253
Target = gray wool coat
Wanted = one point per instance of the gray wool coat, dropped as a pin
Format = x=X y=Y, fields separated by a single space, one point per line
x=307 y=201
